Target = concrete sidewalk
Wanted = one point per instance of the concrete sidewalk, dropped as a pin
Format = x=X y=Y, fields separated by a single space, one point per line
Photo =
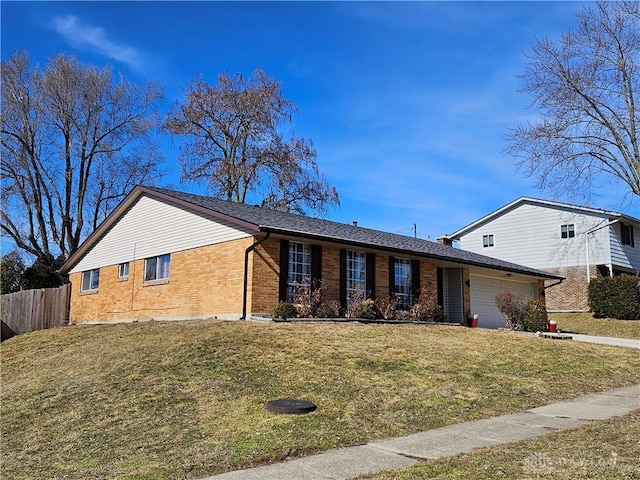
x=391 y=454
x=616 y=342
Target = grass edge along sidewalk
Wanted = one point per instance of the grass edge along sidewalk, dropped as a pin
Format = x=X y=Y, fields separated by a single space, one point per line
x=598 y=449
x=410 y=450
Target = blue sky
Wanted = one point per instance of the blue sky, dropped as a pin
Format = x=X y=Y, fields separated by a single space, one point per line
x=408 y=104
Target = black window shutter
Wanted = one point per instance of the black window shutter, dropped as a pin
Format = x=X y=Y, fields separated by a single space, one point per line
x=392 y=275
x=343 y=277
x=316 y=264
x=284 y=270
x=415 y=279
x=371 y=275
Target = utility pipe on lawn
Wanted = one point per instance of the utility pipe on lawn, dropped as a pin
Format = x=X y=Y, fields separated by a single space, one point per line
x=249 y=249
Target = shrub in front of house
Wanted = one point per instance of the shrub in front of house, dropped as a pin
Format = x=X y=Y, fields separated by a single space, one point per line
x=358 y=307
x=615 y=297
x=387 y=307
x=309 y=302
x=307 y=299
x=535 y=318
x=436 y=314
x=513 y=306
x=367 y=310
x=425 y=310
x=330 y=309
x=284 y=310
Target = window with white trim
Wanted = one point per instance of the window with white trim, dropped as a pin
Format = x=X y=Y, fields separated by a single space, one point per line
x=90 y=280
x=567 y=231
x=356 y=275
x=402 y=281
x=299 y=268
x=157 y=268
x=487 y=241
x=123 y=271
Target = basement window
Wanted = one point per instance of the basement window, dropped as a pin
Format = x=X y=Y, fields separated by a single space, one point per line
x=487 y=241
x=90 y=280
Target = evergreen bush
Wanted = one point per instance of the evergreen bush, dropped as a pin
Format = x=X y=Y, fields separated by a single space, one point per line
x=284 y=310
x=535 y=318
x=615 y=297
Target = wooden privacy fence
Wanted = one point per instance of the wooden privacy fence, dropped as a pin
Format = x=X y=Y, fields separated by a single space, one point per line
x=37 y=309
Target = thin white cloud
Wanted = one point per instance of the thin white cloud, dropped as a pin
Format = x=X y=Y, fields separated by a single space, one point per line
x=83 y=36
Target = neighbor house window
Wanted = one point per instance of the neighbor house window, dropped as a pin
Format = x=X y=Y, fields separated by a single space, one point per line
x=299 y=268
x=356 y=275
x=403 y=276
x=567 y=231
x=156 y=268
x=123 y=271
x=487 y=241
x=626 y=232
x=90 y=280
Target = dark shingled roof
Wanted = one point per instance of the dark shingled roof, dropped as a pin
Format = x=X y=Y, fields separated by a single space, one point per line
x=285 y=223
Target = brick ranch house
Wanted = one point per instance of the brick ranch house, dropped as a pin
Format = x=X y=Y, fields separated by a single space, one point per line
x=168 y=255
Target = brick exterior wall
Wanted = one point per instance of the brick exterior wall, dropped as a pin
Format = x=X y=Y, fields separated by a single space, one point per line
x=382 y=276
x=262 y=296
x=331 y=273
x=466 y=294
x=208 y=282
x=542 y=294
x=429 y=281
x=264 y=283
x=572 y=293
x=205 y=281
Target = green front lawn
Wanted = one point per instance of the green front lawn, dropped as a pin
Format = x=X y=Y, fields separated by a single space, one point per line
x=603 y=327
x=186 y=399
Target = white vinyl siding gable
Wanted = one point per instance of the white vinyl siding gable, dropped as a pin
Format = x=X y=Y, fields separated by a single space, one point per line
x=625 y=256
x=531 y=235
x=151 y=228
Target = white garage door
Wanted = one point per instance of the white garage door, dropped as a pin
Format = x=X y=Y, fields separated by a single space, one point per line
x=483 y=293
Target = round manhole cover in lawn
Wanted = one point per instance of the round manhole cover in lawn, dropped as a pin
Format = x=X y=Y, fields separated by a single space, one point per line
x=290 y=406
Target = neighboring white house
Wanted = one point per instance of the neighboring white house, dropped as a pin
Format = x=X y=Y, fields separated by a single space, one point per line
x=578 y=243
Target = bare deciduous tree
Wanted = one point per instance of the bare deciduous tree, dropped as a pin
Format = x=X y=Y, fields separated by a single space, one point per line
x=585 y=87
x=74 y=142
x=233 y=143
